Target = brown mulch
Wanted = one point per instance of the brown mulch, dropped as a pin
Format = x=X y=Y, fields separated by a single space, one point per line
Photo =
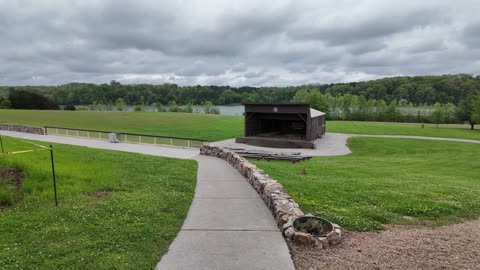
x=13 y=176
x=398 y=247
x=99 y=194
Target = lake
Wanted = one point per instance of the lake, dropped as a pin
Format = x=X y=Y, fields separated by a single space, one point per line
x=224 y=109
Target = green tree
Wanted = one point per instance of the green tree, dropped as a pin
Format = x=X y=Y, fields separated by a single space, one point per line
x=464 y=111
x=21 y=99
x=476 y=109
x=392 y=113
x=449 y=112
x=173 y=107
x=158 y=106
x=120 y=103
x=318 y=102
x=438 y=114
x=69 y=107
x=5 y=104
x=209 y=108
x=380 y=111
x=188 y=108
x=302 y=96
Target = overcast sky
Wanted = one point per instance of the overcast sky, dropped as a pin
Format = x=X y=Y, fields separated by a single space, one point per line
x=257 y=43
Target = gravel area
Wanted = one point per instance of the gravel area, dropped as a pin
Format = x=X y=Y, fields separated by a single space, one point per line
x=399 y=247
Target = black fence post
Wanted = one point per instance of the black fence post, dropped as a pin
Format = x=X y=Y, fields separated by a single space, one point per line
x=53 y=175
x=1 y=143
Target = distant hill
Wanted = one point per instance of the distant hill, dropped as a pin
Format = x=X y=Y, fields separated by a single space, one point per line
x=418 y=90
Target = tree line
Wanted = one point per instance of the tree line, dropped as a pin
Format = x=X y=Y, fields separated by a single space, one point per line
x=358 y=108
x=418 y=90
x=451 y=98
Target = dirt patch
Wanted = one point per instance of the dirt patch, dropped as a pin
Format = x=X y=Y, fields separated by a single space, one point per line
x=99 y=194
x=12 y=176
x=11 y=179
x=398 y=247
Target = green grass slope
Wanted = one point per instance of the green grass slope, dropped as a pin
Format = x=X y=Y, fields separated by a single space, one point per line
x=415 y=129
x=387 y=181
x=116 y=210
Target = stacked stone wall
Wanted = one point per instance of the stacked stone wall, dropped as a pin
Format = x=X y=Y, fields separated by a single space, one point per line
x=22 y=128
x=284 y=209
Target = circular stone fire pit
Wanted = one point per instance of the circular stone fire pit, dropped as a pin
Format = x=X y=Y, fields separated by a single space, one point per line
x=317 y=227
x=310 y=230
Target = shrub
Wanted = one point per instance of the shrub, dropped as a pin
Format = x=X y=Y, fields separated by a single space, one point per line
x=69 y=107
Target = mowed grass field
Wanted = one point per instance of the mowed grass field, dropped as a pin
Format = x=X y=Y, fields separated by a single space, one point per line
x=210 y=127
x=402 y=181
x=202 y=126
x=116 y=210
x=383 y=181
x=414 y=129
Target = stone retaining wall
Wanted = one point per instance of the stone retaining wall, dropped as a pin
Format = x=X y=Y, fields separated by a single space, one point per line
x=282 y=206
x=22 y=128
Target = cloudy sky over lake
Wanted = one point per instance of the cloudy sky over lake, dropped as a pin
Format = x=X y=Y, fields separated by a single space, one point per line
x=235 y=43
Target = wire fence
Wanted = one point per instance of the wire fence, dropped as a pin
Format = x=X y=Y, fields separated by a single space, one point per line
x=127 y=137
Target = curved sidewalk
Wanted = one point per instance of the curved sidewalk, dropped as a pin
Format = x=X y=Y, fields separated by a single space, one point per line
x=228 y=226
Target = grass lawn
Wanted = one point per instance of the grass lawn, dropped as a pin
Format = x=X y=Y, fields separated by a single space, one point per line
x=116 y=210
x=380 y=128
x=210 y=127
x=387 y=181
x=203 y=126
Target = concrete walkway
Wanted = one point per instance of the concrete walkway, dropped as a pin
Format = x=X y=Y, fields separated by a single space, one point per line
x=146 y=149
x=331 y=144
x=228 y=226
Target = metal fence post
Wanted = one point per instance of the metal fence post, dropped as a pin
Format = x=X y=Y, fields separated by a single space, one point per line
x=1 y=143
x=53 y=176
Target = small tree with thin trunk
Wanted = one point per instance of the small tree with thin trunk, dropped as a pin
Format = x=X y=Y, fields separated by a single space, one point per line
x=438 y=115
x=464 y=111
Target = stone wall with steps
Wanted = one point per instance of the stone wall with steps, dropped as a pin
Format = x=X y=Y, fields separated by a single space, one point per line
x=22 y=128
x=282 y=206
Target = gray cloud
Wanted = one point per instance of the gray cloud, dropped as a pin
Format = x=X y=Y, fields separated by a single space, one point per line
x=234 y=42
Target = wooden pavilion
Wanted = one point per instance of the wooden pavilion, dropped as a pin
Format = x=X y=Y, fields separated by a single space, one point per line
x=282 y=125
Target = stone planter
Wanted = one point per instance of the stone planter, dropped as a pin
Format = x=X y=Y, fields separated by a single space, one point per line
x=317 y=227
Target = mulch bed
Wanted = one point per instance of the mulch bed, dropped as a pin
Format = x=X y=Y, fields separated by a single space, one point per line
x=11 y=176
x=99 y=194
x=398 y=247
